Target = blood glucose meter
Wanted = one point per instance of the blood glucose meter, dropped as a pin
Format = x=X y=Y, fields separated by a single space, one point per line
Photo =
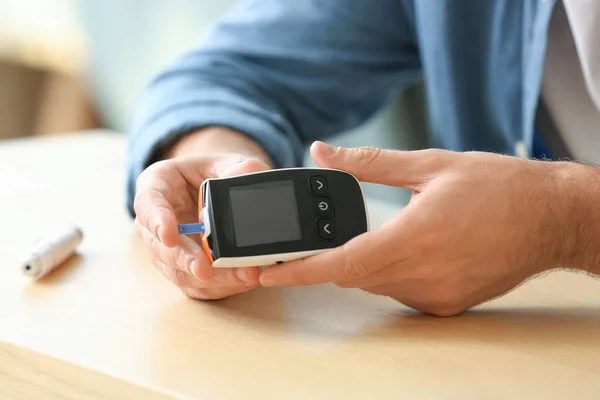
x=270 y=217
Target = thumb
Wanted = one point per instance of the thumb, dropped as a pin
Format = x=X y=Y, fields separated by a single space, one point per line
x=408 y=169
x=244 y=167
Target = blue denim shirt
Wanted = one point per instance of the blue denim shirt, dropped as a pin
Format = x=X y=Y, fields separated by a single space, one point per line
x=287 y=73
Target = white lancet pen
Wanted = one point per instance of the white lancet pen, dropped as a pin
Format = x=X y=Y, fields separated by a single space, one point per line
x=47 y=254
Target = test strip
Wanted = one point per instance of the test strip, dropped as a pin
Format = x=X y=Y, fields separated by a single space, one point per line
x=189 y=229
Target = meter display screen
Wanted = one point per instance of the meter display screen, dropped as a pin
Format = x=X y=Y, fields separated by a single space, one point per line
x=265 y=213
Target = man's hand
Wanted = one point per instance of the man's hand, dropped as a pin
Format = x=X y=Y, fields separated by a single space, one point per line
x=478 y=225
x=167 y=195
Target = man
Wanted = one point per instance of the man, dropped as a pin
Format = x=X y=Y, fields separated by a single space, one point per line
x=487 y=213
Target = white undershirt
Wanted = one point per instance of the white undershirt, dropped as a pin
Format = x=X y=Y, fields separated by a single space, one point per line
x=571 y=82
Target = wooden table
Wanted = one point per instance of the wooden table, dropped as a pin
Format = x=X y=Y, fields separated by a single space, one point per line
x=108 y=326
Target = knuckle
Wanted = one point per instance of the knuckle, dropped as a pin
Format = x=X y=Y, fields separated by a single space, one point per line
x=366 y=155
x=156 y=250
x=138 y=183
x=142 y=180
x=239 y=277
x=183 y=261
x=435 y=152
x=354 y=268
x=225 y=277
x=232 y=277
x=156 y=168
x=176 y=276
x=152 y=244
x=434 y=158
x=254 y=164
x=136 y=200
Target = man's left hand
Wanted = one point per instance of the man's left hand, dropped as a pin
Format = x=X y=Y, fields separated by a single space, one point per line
x=478 y=224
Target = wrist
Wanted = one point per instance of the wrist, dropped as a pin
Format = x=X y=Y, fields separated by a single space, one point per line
x=576 y=195
x=213 y=140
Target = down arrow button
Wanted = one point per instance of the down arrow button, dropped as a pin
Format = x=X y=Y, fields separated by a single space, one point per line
x=326 y=229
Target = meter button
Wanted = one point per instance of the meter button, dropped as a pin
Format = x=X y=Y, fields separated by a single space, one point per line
x=323 y=207
x=318 y=185
x=326 y=229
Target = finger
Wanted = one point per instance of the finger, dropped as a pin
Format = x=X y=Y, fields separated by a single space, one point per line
x=178 y=277
x=399 y=273
x=244 y=167
x=217 y=293
x=236 y=276
x=198 y=266
x=183 y=279
x=154 y=210
x=187 y=256
x=358 y=258
x=224 y=276
x=409 y=169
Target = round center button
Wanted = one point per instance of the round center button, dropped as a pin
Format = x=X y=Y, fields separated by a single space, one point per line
x=323 y=207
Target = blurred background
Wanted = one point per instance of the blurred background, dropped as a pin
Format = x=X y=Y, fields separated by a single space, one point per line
x=75 y=65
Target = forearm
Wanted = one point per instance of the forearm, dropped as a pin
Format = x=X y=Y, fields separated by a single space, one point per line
x=579 y=198
x=280 y=91
x=213 y=140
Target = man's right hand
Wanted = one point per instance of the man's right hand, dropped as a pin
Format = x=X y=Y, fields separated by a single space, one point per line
x=167 y=195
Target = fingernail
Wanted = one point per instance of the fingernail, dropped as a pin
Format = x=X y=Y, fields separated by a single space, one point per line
x=159 y=233
x=325 y=149
x=232 y=169
x=242 y=275
x=267 y=280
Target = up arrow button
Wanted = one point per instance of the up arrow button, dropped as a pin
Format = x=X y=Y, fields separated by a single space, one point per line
x=318 y=185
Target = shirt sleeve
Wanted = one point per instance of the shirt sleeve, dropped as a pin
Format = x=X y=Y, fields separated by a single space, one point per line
x=282 y=72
